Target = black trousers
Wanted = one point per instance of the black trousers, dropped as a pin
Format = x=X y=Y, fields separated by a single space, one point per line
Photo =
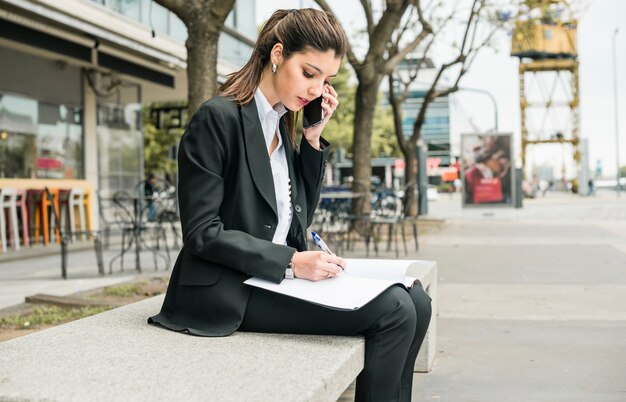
x=394 y=325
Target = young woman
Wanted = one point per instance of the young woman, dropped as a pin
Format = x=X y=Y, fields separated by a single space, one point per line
x=247 y=193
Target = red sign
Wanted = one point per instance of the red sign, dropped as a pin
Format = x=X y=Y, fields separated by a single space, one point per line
x=48 y=163
x=432 y=163
x=399 y=164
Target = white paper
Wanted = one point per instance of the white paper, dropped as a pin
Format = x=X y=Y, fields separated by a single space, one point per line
x=361 y=282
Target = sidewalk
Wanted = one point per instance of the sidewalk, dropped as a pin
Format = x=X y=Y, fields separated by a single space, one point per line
x=532 y=307
x=42 y=273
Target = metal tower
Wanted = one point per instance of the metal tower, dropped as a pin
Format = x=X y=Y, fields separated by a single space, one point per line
x=545 y=43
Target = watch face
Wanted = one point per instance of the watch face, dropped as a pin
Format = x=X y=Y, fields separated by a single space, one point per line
x=289 y=273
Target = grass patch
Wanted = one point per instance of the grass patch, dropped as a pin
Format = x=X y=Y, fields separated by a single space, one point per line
x=49 y=315
x=125 y=290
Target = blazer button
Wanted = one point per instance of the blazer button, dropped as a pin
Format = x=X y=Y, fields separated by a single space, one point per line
x=268 y=226
x=298 y=208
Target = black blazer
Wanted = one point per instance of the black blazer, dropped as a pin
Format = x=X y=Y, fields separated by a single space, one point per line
x=228 y=215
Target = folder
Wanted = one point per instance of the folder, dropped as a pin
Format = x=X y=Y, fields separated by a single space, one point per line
x=361 y=282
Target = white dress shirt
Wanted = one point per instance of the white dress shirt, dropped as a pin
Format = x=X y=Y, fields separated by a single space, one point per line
x=269 y=117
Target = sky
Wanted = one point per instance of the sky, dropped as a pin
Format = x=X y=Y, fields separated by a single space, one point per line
x=496 y=71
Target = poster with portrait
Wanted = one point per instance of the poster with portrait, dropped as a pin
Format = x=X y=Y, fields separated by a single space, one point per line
x=487 y=170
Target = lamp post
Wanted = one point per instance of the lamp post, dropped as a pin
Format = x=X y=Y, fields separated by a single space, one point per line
x=493 y=100
x=616 y=108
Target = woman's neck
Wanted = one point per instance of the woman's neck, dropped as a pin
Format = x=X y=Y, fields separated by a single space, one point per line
x=267 y=87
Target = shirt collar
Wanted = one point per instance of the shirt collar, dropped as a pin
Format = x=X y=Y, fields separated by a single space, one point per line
x=264 y=107
x=265 y=111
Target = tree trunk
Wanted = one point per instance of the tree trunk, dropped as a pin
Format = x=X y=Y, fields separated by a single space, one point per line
x=410 y=173
x=366 y=95
x=204 y=20
x=201 y=64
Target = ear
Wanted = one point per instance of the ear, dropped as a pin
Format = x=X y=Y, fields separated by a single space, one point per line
x=276 y=54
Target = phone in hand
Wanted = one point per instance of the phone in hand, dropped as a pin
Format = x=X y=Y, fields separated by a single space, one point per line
x=313 y=113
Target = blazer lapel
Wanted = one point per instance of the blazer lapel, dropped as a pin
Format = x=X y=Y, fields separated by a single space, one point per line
x=298 y=220
x=256 y=154
x=290 y=158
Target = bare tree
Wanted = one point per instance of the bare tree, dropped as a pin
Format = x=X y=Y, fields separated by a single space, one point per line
x=370 y=71
x=399 y=87
x=204 y=20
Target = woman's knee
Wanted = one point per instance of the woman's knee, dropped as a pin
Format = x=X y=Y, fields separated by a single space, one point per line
x=404 y=309
x=422 y=303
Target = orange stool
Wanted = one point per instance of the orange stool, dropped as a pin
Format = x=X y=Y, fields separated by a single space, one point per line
x=54 y=226
x=87 y=203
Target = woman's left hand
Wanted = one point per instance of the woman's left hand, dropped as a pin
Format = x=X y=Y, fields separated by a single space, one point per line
x=329 y=104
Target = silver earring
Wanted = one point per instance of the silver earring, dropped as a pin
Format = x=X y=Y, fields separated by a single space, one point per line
x=273 y=67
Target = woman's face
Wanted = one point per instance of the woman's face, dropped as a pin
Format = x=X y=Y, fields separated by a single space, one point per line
x=304 y=76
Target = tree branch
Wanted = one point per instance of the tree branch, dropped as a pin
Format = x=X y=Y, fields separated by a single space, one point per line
x=396 y=107
x=354 y=61
x=367 y=8
x=178 y=7
x=427 y=29
x=469 y=24
x=387 y=24
x=391 y=62
x=400 y=34
x=419 y=121
x=420 y=15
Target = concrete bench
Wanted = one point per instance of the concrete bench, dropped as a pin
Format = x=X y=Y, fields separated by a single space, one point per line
x=117 y=356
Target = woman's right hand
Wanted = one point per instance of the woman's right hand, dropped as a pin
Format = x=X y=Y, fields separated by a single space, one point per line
x=317 y=265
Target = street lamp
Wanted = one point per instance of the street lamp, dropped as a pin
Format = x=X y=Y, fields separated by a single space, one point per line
x=616 y=108
x=493 y=100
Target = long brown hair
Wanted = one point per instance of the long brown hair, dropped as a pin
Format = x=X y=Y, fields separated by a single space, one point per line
x=298 y=31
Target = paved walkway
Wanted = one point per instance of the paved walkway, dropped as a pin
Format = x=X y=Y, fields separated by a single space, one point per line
x=532 y=305
x=42 y=273
x=532 y=301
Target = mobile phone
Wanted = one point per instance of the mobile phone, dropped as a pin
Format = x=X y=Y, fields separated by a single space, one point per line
x=313 y=113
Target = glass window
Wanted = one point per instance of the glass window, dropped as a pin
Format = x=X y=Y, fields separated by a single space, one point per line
x=159 y=18
x=120 y=146
x=178 y=30
x=40 y=139
x=233 y=51
x=246 y=18
x=128 y=8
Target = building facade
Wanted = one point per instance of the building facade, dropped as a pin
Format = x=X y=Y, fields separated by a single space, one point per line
x=75 y=74
x=436 y=128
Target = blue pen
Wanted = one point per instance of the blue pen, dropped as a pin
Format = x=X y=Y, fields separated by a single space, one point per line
x=320 y=243
x=323 y=246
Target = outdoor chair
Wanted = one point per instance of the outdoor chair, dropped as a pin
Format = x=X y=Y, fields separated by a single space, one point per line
x=388 y=213
x=65 y=235
x=129 y=211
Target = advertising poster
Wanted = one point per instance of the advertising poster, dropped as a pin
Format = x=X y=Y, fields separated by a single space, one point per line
x=487 y=170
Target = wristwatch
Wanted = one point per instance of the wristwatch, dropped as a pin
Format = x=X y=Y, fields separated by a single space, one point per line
x=289 y=273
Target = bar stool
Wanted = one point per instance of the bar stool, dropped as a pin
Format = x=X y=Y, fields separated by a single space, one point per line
x=55 y=233
x=87 y=208
x=8 y=198
x=77 y=202
x=37 y=215
x=69 y=202
x=21 y=204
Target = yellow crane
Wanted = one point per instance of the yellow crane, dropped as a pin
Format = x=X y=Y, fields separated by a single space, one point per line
x=545 y=43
